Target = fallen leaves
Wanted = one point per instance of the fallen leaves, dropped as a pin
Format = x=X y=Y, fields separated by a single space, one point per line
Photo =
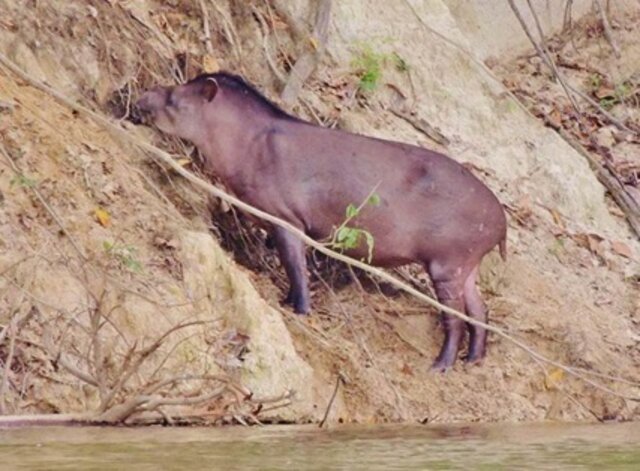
x=621 y=249
x=591 y=242
x=103 y=217
x=210 y=64
x=597 y=245
x=552 y=379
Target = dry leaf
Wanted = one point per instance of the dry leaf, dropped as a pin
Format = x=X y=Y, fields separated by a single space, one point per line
x=604 y=91
x=103 y=217
x=406 y=369
x=557 y=218
x=162 y=243
x=621 y=249
x=210 y=64
x=553 y=378
x=593 y=242
x=314 y=43
x=183 y=162
x=554 y=119
x=522 y=211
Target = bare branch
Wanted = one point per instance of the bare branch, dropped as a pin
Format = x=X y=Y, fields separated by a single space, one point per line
x=607 y=28
x=307 y=63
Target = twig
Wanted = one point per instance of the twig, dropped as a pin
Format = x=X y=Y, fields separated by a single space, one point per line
x=568 y=88
x=230 y=32
x=141 y=358
x=381 y=274
x=265 y=45
x=339 y=381
x=205 y=27
x=421 y=125
x=307 y=63
x=612 y=119
x=627 y=203
x=542 y=49
x=567 y=21
x=607 y=28
x=81 y=375
x=7 y=364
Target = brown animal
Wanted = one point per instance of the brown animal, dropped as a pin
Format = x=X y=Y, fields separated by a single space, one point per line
x=432 y=210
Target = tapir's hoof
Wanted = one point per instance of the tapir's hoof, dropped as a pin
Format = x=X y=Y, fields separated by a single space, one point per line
x=441 y=366
x=474 y=359
x=300 y=307
x=302 y=310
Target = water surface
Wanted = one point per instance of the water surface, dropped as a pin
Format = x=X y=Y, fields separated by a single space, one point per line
x=488 y=447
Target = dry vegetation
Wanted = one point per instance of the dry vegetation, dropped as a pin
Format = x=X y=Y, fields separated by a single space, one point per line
x=98 y=318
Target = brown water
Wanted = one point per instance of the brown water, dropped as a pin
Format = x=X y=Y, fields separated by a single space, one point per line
x=490 y=447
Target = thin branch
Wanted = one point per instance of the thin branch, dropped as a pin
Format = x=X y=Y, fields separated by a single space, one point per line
x=542 y=49
x=607 y=28
x=7 y=365
x=339 y=380
x=81 y=375
x=265 y=44
x=306 y=64
x=625 y=201
x=206 y=29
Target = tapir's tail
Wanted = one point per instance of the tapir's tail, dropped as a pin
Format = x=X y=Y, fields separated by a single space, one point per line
x=503 y=248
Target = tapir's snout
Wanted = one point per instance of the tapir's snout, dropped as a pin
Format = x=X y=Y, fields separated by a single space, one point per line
x=150 y=102
x=143 y=103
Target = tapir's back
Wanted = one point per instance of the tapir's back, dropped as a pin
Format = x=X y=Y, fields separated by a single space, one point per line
x=429 y=204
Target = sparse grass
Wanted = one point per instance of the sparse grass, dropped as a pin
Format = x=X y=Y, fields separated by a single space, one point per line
x=369 y=66
x=23 y=181
x=124 y=254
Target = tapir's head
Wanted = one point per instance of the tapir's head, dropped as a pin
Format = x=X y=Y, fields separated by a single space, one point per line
x=179 y=110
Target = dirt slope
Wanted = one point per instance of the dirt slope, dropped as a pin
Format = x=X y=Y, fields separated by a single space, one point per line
x=149 y=260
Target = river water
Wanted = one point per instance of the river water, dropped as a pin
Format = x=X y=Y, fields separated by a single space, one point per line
x=485 y=447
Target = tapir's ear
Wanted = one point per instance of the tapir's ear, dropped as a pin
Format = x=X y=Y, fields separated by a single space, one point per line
x=210 y=88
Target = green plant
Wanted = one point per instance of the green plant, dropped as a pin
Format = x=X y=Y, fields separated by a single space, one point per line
x=623 y=90
x=369 y=68
x=22 y=181
x=608 y=102
x=595 y=80
x=345 y=237
x=125 y=254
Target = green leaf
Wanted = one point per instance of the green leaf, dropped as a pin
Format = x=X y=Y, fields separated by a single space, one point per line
x=342 y=234
x=374 y=199
x=352 y=211
x=351 y=241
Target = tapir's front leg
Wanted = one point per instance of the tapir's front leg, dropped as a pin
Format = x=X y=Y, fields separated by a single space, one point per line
x=292 y=257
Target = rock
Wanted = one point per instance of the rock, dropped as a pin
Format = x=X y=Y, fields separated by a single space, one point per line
x=272 y=365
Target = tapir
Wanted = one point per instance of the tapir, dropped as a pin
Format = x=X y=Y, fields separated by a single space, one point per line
x=431 y=209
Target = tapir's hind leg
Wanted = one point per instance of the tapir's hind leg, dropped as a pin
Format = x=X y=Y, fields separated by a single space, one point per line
x=449 y=286
x=292 y=256
x=476 y=310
